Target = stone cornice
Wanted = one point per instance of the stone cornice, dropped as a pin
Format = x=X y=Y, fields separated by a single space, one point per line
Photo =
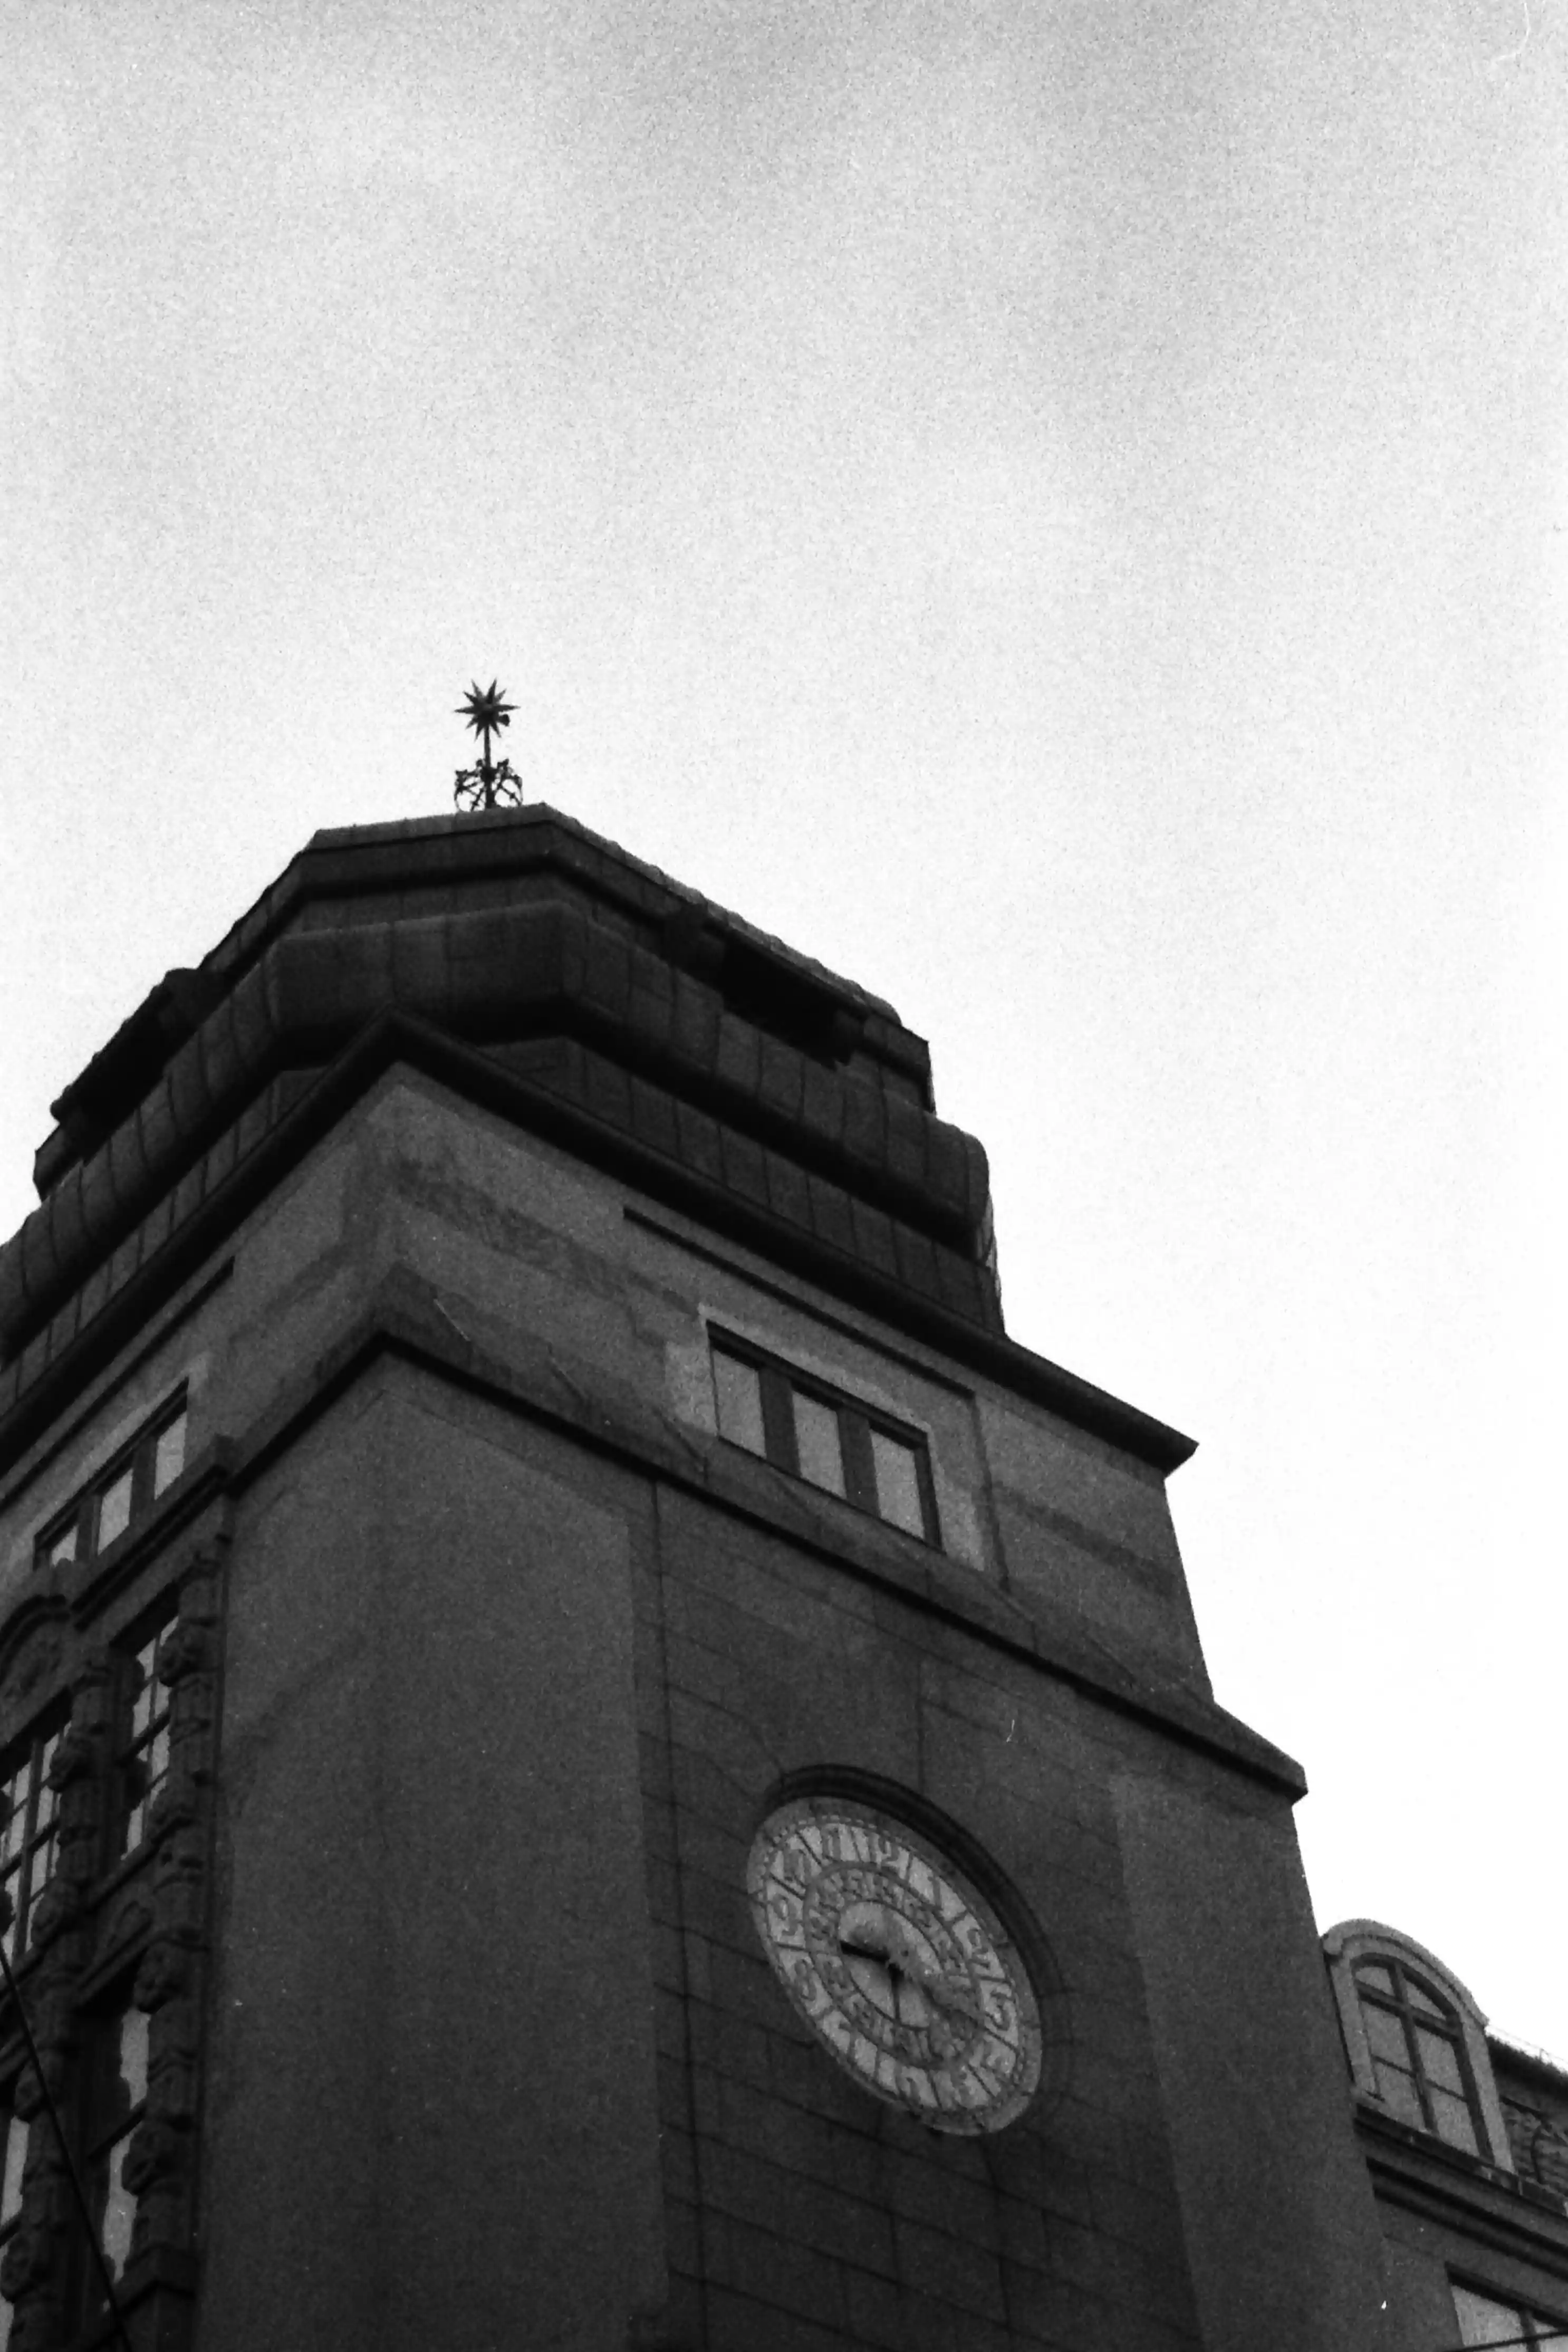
x=900 y=1281
x=1489 y=2206
x=406 y=1318
x=513 y=979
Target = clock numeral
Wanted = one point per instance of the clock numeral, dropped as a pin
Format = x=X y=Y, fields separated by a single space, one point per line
x=999 y=2012
x=809 y=1985
x=920 y=1880
x=784 y=1912
x=794 y=1864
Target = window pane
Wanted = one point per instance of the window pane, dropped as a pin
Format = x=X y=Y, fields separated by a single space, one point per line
x=1399 y=2092
x=898 y=1482
x=1371 y=1973
x=48 y=1798
x=114 y=1509
x=43 y=1865
x=157 y=1762
x=1452 y=2117
x=738 y=1389
x=1421 y=1999
x=63 y=1546
x=16 y=1789
x=15 y=2157
x=1439 y=2060
x=169 y=1455
x=142 y=1705
x=118 y=2211
x=134 y=2032
x=817 y=1442
x=1482 y=2321
x=1386 y=2034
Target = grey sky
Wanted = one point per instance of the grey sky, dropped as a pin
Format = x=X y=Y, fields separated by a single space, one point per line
x=1057 y=511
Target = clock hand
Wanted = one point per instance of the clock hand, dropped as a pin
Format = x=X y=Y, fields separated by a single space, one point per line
x=888 y=1940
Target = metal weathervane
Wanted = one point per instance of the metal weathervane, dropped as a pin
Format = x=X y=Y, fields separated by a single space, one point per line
x=492 y=783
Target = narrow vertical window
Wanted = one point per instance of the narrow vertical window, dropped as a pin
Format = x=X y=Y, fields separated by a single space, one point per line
x=144 y=1756
x=898 y=1492
x=29 y=1810
x=169 y=1452
x=738 y=1389
x=62 y=1545
x=13 y=2161
x=116 y=2100
x=114 y=1507
x=818 y=1446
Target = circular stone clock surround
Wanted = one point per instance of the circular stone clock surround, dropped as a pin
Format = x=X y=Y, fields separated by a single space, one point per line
x=900 y=1966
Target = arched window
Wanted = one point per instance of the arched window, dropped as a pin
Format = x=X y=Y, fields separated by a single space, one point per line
x=1416 y=2044
x=1415 y=2038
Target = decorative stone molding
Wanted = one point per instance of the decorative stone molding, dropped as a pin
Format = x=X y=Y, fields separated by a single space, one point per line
x=138 y=1932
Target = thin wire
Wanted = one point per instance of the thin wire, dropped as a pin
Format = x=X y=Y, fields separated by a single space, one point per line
x=79 y=2193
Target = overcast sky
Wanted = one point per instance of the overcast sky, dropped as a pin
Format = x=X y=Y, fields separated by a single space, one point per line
x=1059 y=512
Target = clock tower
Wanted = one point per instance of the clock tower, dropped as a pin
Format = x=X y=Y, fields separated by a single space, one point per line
x=593 y=1756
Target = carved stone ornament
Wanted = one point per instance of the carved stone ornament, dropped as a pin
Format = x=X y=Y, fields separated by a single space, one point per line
x=55 y=1910
x=175 y=1807
x=133 y=1916
x=26 y=2262
x=36 y=1659
x=77 y=1755
x=82 y=1948
x=184 y=1651
x=164 y=1973
x=156 y=2150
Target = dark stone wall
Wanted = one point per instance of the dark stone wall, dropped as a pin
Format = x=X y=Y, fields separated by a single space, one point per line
x=517 y=1653
x=433 y=2117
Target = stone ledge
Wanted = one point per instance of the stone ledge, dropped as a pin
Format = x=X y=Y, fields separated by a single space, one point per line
x=408 y=1319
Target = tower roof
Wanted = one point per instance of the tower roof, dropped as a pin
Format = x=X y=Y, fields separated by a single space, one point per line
x=533 y=966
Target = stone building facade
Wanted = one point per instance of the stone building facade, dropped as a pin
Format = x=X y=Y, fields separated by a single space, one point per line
x=593 y=1758
x=1465 y=2138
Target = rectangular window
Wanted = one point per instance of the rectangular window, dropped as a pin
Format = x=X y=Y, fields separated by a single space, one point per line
x=29 y=1811
x=816 y=1433
x=114 y=2100
x=122 y=1493
x=141 y=1750
x=1483 y=2320
x=13 y=2160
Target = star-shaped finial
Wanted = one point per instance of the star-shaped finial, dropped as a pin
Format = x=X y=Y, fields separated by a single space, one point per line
x=485 y=709
x=492 y=783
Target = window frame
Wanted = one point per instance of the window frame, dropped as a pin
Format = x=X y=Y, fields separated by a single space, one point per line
x=11 y=2222
x=81 y=1520
x=1446 y=2026
x=137 y=1747
x=1357 y=1940
x=1534 y=2326
x=103 y=2122
x=32 y=1749
x=780 y=1381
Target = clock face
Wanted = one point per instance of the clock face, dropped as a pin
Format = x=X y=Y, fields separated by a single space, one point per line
x=897 y=1963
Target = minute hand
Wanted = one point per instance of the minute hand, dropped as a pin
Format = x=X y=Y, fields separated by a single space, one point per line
x=947 y=1992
